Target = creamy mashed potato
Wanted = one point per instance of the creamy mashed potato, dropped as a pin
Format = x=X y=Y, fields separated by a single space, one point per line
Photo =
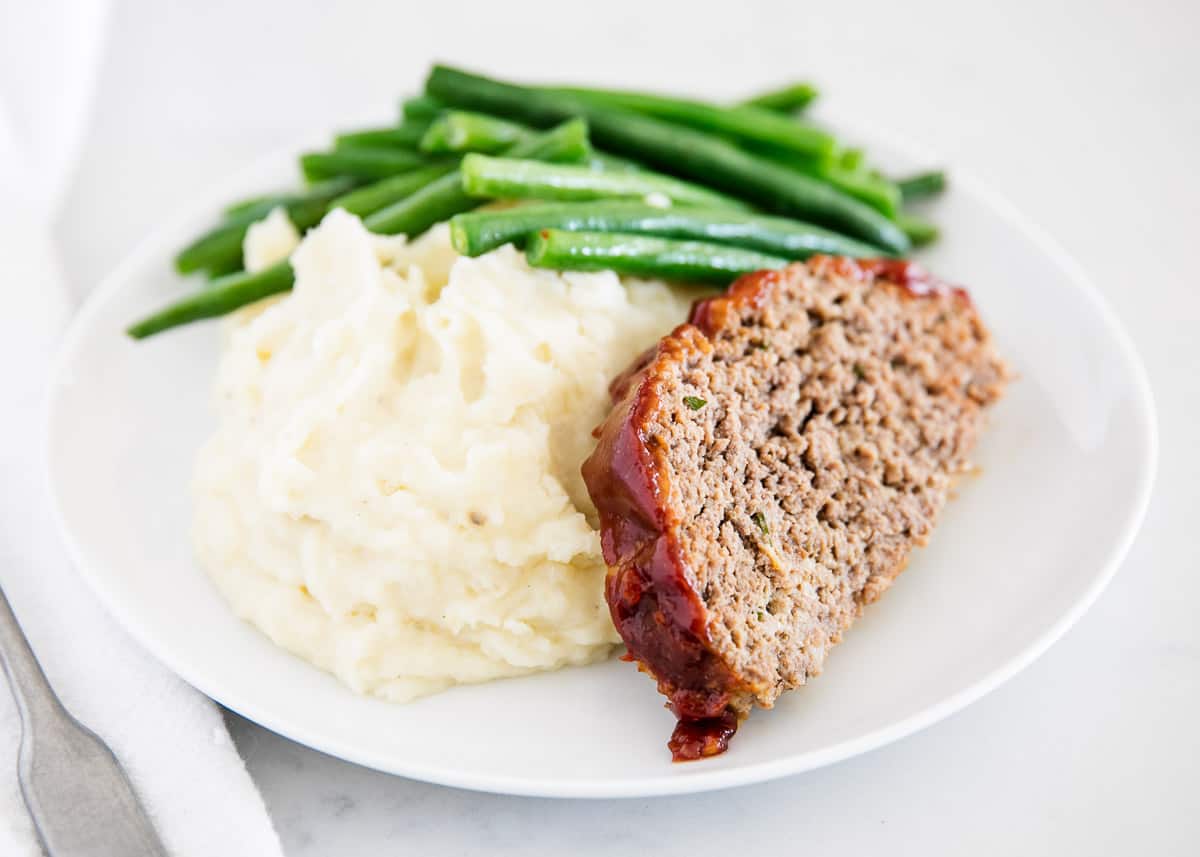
x=393 y=488
x=268 y=241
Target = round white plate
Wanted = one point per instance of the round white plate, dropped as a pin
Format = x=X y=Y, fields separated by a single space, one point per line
x=1067 y=466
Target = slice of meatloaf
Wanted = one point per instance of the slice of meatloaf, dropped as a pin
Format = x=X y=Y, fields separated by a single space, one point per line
x=767 y=469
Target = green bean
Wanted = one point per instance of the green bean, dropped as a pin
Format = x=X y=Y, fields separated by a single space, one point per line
x=227 y=264
x=257 y=207
x=508 y=178
x=922 y=185
x=359 y=162
x=220 y=250
x=613 y=164
x=249 y=210
x=874 y=190
x=223 y=296
x=476 y=233
x=217 y=251
x=445 y=197
x=919 y=231
x=385 y=192
x=422 y=107
x=787 y=99
x=679 y=150
x=433 y=203
x=642 y=256
x=854 y=160
x=464 y=131
x=270 y=200
x=405 y=136
x=742 y=122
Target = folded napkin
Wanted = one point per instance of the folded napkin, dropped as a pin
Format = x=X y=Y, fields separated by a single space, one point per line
x=171 y=739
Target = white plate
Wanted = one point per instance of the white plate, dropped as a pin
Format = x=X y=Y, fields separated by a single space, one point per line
x=1067 y=467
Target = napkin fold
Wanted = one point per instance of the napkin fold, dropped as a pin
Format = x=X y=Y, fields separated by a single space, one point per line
x=171 y=739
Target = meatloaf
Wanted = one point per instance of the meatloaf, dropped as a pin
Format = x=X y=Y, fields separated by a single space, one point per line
x=767 y=469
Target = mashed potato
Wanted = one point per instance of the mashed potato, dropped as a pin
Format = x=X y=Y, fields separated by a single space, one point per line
x=393 y=489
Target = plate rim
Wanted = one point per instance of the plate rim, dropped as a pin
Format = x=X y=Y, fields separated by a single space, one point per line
x=616 y=787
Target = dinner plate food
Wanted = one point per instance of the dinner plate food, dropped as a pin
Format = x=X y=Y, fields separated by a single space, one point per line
x=572 y=442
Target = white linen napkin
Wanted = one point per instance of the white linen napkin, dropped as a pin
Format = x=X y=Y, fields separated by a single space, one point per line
x=170 y=737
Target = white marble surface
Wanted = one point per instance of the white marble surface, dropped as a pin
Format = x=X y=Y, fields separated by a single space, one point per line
x=1085 y=115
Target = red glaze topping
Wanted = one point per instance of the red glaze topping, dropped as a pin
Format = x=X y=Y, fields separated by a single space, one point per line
x=695 y=739
x=654 y=608
x=910 y=276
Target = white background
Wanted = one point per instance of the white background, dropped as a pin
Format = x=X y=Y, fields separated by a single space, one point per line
x=1084 y=114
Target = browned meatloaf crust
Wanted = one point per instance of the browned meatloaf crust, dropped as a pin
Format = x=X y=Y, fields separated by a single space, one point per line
x=767 y=469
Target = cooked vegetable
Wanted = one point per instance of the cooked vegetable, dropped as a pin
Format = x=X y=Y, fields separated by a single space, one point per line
x=919 y=231
x=381 y=194
x=742 y=122
x=787 y=99
x=876 y=191
x=642 y=256
x=694 y=402
x=444 y=198
x=270 y=200
x=258 y=207
x=613 y=163
x=478 y=232
x=463 y=131
x=405 y=136
x=922 y=185
x=853 y=160
x=422 y=107
x=679 y=150
x=222 y=297
x=509 y=178
x=360 y=162
x=692 y=220
x=435 y=202
x=220 y=249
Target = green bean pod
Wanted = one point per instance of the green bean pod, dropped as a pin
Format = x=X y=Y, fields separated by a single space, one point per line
x=405 y=136
x=222 y=297
x=257 y=203
x=742 y=122
x=510 y=178
x=919 y=230
x=643 y=256
x=922 y=185
x=853 y=159
x=219 y=250
x=367 y=200
x=613 y=164
x=681 y=151
x=786 y=99
x=877 y=192
x=215 y=250
x=359 y=162
x=478 y=232
x=257 y=207
x=464 y=131
x=445 y=197
x=437 y=201
x=865 y=186
x=422 y=107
